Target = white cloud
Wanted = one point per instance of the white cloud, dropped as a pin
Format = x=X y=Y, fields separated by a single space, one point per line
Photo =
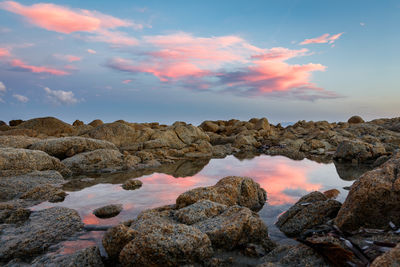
x=21 y=98
x=2 y=87
x=60 y=97
x=91 y=51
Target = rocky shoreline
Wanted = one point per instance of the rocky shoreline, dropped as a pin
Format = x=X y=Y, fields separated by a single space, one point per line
x=211 y=226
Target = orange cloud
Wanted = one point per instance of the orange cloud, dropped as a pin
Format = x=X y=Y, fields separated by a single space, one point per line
x=126 y=81
x=4 y=52
x=325 y=38
x=69 y=58
x=19 y=64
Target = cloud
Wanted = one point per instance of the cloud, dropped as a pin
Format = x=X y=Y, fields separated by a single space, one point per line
x=91 y=51
x=323 y=39
x=2 y=88
x=69 y=58
x=126 y=81
x=59 y=97
x=67 y=20
x=21 y=98
x=362 y=23
x=226 y=64
x=4 y=52
x=20 y=65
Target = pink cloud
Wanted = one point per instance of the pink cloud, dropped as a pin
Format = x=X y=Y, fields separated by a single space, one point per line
x=36 y=69
x=4 y=52
x=325 y=38
x=126 y=81
x=69 y=58
x=91 y=51
x=66 y=20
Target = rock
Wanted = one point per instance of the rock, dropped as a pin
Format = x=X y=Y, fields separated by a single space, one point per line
x=233 y=228
x=17 y=161
x=108 y=211
x=293 y=256
x=49 y=126
x=262 y=124
x=5 y=127
x=2 y=123
x=332 y=193
x=209 y=126
x=13 y=214
x=190 y=134
x=358 y=151
x=164 y=139
x=78 y=123
x=116 y=238
x=14 y=123
x=96 y=123
x=45 y=192
x=116 y=133
x=85 y=257
x=69 y=146
x=374 y=199
x=132 y=184
x=231 y=190
x=44 y=228
x=310 y=211
x=245 y=140
x=199 y=211
x=100 y=160
x=161 y=243
x=355 y=120
x=16 y=132
x=15 y=186
x=389 y=259
x=17 y=141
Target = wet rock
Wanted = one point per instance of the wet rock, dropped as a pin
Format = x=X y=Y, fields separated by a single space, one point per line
x=45 y=192
x=13 y=123
x=49 y=126
x=132 y=184
x=311 y=210
x=116 y=238
x=221 y=151
x=389 y=259
x=13 y=214
x=78 y=123
x=44 y=228
x=89 y=257
x=374 y=199
x=108 y=211
x=16 y=161
x=199 y=211
x=100 y=160
x=358 y=151
x=96 y=123
x=235 y=227
x=117 y=133
x=355 y=120
x=17 y=141
x=293 y=256
x=70 y=146
x=231 y=190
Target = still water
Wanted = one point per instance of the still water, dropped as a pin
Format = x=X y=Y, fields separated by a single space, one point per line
x=285 y=181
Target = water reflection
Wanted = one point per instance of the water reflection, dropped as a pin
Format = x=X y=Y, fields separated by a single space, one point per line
x=285 y=181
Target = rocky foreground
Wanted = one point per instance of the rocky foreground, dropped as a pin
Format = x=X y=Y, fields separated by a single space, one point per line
x=212 y=226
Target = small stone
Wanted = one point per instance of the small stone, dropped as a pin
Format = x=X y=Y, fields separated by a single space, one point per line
x=132 y=184
x=108 y=211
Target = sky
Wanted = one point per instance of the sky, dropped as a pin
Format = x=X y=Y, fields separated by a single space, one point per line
x=167 y=61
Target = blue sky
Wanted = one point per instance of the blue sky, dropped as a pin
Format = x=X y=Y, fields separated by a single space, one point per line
x=196 y=60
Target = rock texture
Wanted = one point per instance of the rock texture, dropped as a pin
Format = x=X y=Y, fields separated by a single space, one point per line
x=232 y=190
x=69 y=146
x=389 y=259
x=132 y=184
x=108 y=211
x=48 y=126
x=374 y=199
x=310 y=211
x=15 y=161
x=17 y=141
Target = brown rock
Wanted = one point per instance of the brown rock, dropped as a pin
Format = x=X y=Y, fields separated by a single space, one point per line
x=116 y=133
x=96 y=123
x=355 y=120
x=389 y=259
x=108 y=211
x=116 y=238
x=49 y=126
x=78 y=123
x=209 y=126
x=132 y=184
x=17 y=141
x=14 y=123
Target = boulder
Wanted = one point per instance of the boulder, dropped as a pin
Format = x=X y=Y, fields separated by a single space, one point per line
x=96 y=123
x=12 y=213
x=132 y=184
x=231 y=190
x=49 y=126
x=43 y=229
x=78 y=123
x=16 y=161
x=190 y=134
x=310 y=211
x=355 y=120
x=374 y=199
x=116 y=238
x=116 y=133
x=14 y=123
x=69 y=146
x=100 y=160
x=17 y=141
x=199 y=211
x=262 y=124
x=388 y=259
x=164 y=139
x=358 y=151
x=108 y=211
x=209 y=126
x=5 y=127
x=16 y=132
x=45 y=192
x=2 y=123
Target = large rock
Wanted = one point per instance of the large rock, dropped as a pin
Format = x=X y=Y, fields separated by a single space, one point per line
x=190 y=134
x=199 y=211
x=100 y=160
x=17 y=161
x=310 y=211
x=231 y=190
x=13 y=123
x=358 y=151
x=355 y=120
x=36 y=235
x=70 y=146
x=117 y=133
x=374 y=199
x=49 y=126
x=17 y=141
x=116 y=238
x=164 y=139
x=96 y=123
x=209 y=126
x=389 y=259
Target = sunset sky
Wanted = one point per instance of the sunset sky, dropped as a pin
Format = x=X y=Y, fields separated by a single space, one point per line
x=195 y=60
